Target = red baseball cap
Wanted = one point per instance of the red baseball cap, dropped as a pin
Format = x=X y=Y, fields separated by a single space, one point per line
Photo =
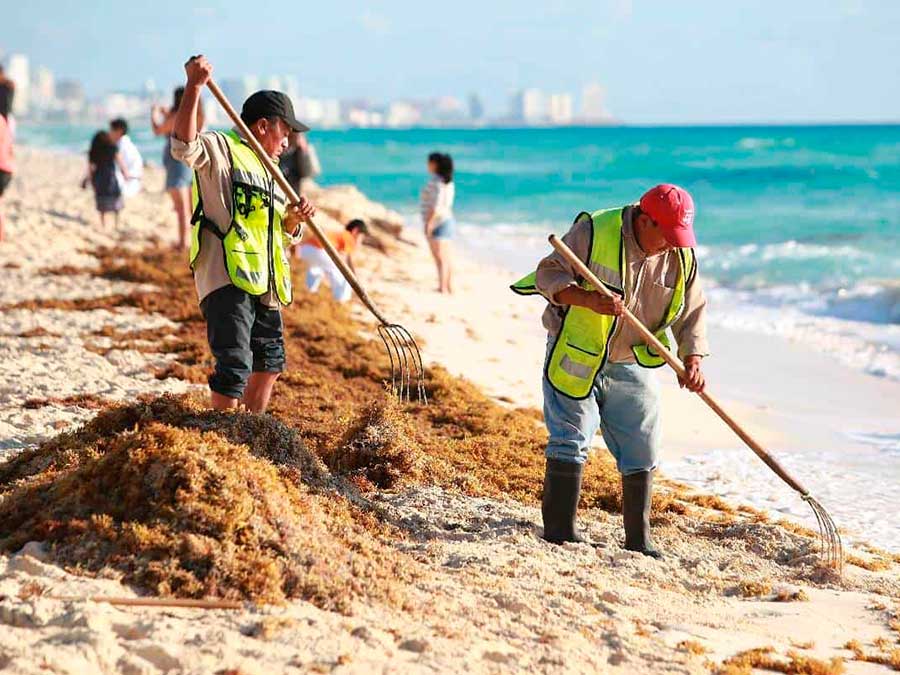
x=672 y=208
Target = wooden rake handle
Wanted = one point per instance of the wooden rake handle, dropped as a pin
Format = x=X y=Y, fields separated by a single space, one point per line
x=676 y=365
x=293 y=197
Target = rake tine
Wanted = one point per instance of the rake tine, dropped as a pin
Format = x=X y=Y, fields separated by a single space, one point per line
x=832 y=546
x=821 y=525
x=411 y=363
x=396 y=386
x=837 y=546
x=404 y=367
x=381 y=334
x=416 y=358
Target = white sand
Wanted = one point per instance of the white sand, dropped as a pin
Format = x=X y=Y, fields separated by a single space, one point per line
x=492 y=596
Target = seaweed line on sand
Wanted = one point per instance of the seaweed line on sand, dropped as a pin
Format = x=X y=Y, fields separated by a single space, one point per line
x=333 y=434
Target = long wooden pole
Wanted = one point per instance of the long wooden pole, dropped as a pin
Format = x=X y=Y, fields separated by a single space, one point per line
x=293 y=197
x=153 y=602
x=676 y=365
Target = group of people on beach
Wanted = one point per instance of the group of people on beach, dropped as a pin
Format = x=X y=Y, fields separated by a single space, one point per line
x=241 y=231
x=597 y=369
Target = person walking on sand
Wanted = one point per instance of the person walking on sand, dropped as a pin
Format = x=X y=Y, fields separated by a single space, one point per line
x=597 y=371
x=178 y=175
x=320 y=266
x=437 y=214
x=131 y=158
x=104 y=161
x=7 y=165
x=240 y=228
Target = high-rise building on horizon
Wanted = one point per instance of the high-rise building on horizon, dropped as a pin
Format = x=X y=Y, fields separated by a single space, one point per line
x=529 y=106
x=560 y=109
x=593 y=103
x=476 y=108
x=402 y=114
x=43 y=92
x=17 y=69
x=237 y=89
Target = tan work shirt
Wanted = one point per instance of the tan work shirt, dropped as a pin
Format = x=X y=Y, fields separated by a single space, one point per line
x=209 y=157
x=651 y=281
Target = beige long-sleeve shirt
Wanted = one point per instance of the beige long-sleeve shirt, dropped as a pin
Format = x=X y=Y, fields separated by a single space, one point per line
x=650 y=284
x=210 y=159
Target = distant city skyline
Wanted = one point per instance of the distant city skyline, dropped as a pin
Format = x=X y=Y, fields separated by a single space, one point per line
x=39 y=97
x=702 y=62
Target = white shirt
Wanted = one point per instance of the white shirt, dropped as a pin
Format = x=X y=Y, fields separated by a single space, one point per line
x=437 y=198
x=134 y=164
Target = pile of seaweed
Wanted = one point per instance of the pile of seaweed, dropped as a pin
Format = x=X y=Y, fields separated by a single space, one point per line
x=278 y=489
x=333 y=395
x=189 y=502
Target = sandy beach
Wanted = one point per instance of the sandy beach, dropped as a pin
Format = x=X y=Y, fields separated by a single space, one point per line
x=485 y=593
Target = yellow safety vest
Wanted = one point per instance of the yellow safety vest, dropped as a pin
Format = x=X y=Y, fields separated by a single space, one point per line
x=582 y=345
x=253 y=246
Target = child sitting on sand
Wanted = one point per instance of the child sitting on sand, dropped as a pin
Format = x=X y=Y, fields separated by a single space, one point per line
x=103 y=157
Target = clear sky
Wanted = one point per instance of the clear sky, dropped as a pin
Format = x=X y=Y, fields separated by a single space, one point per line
x=661 y=62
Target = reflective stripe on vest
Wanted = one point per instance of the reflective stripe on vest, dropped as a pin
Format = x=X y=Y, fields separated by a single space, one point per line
x=582 y=345
x=253 y=246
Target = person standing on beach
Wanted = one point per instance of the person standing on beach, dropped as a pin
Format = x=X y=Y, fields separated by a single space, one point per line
x=597 y=371
x=300 y=163
x=320 y=266
x=104 y=161
x=131 y=158
x=436 y=206
x=178 y=175
x=7 y=165
x=240 y=230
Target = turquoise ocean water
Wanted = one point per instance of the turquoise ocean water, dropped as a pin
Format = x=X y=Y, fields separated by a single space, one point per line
x=799 y=231
x=799 y=226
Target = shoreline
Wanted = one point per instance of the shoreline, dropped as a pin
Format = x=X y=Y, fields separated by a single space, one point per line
x=492 y=597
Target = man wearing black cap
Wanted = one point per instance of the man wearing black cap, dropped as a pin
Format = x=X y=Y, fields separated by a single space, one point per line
x=240 y=231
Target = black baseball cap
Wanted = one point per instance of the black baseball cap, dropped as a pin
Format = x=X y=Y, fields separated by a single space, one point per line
x=268 y=103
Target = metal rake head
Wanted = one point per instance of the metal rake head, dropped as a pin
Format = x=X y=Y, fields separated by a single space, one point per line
x=832 y=549
x=407 y=370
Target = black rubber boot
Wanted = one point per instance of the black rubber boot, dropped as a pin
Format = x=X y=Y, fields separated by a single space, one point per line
x=636 y=491
x=562 y=487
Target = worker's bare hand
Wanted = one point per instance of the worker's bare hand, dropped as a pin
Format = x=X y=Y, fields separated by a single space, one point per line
x=603 y=304
x=198 y=70
x=694 y=379
x=296 y=213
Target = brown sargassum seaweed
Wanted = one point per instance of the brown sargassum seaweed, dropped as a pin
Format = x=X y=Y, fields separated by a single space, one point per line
x=189 y=502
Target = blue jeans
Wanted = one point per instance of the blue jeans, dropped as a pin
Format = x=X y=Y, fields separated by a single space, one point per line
x=624 y=404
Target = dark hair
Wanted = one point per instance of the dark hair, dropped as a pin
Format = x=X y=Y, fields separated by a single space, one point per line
x=177 y=95
x=434 y=157
x=357 y=224
x=102 y=149
x=119 y=124
x=444 y=167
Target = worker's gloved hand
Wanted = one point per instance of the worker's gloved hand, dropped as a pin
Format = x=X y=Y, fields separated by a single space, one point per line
x=694 y=379
x=603 y=304
x=296 y=213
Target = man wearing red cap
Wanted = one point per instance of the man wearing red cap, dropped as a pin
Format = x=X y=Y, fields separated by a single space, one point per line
x=598 y=370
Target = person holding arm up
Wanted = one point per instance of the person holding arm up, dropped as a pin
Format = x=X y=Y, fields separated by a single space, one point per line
x=241 y=229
